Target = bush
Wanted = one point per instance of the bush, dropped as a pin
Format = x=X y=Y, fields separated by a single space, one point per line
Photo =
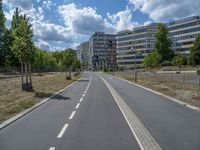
x=105 y=70
x=166 y=63
x=152 y=60
x=68 y=78
x=179 y=60
x=76 y=74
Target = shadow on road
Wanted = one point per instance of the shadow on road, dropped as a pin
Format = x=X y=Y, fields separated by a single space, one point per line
x=46 y=95
x=83 y=81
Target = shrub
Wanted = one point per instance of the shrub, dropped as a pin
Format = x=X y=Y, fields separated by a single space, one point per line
x=166 y=63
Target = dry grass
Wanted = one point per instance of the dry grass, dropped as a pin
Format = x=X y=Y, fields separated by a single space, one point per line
x=13 y=100
x=185 y=92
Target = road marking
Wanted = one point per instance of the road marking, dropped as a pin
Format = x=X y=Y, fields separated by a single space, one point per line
x=85 y=92
x=141 y=134
x=83 y=95
x=52 y=148
x=81 y=99
x=72 y=115
x=163 y=95
x=77 y=106
x=62 y=131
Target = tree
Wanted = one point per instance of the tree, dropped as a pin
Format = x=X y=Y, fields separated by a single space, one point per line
x=68 y=60
x=2 y=35
x=76 y=65
x=152 y=60
x=194 y=57
x=178 y=60
x=23 y=47
x=163 y=44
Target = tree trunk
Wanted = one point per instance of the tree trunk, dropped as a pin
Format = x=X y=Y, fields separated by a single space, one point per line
x=70 y=72
x=26 y=74
x=30 y=74
x=22 y=73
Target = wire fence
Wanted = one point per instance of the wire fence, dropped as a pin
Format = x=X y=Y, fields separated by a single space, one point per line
x=181 y=77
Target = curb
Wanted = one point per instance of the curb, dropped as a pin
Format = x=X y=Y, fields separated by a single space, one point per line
x=25 y=112
x=163 y=95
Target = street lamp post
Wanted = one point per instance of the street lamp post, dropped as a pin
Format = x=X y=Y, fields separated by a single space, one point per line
x=135 y=73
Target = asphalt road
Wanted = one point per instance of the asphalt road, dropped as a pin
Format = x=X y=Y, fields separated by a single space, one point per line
x=100 y=112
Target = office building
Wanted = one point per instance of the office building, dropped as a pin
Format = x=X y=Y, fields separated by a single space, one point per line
x=140 y=41
x=133 y=46
x=183 y=33
x=83 y=53
x=102 y=50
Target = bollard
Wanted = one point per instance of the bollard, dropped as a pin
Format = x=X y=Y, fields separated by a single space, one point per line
x=183 y=77
x=198 y=75
x=136 y=76
x=171 y=76
x=199 y=80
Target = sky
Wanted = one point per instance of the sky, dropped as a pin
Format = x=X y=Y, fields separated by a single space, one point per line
x=61 y=24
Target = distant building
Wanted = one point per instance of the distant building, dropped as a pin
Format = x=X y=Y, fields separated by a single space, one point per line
x=83 y=53
x=183 y=33
x=140 y=41
x=135 y=44
x=102 y=50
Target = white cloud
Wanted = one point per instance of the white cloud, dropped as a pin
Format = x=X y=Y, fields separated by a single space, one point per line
x=51 y=32
x=47 y=4
x=162 y=10
x=24 y=4
x=42 y=45
x=147 y=22
x=45 y=33
x=83 y=20
x=122 y=20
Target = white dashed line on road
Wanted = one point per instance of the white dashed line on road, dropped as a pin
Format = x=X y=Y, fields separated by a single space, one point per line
x=83 y=95
x=72 y=115
x=77 y=106
x=81 y=99
x=62 y=131
x=52 y=148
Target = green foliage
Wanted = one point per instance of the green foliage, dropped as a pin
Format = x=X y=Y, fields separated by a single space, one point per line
x=43 y=60
x=178 y=60
x=163 y=44
x=58 y=56
x=152 y=60
x=68 y=58
x=194 y=58
x=166 y=63
x=2 y=35
x=7 y=58
x=76 y=65
x=23 y=46
x=105 y=70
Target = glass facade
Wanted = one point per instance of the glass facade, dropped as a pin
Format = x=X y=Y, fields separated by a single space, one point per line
x=103 y=50
x=182 y=33
x=140 y=42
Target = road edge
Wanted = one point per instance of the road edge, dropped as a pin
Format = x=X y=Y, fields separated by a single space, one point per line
x=26 y=111
x=143 y=137
x=161 y=94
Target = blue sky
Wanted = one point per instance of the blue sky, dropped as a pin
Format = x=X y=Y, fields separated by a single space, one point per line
x=59 y=24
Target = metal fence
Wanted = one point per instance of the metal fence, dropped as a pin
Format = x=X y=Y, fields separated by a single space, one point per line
x=181 y=77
